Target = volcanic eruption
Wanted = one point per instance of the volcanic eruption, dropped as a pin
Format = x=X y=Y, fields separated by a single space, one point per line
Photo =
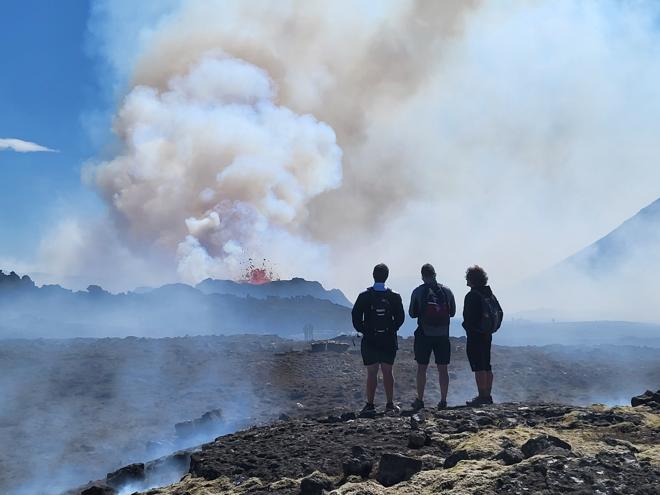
x=258 y=275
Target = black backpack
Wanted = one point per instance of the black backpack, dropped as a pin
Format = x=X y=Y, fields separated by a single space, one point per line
x=435 y=306
x=380 y=315
x=491 y=314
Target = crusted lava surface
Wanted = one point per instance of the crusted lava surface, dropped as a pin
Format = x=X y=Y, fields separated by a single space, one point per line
x=510 y=448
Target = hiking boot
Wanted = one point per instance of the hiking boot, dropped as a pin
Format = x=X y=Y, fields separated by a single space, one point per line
x=489 y=400
x=392 y=408
x=477 y=401
x=442 y=405
x=417 y=404
x=368 y=411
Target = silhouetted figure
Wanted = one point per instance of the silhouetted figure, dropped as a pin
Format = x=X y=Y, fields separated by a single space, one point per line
x=482 y=316
x=308 y=329
x=377 y=315
x=433 y=305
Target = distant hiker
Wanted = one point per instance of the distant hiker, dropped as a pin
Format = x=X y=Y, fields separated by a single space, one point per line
x=433 y=305
x=482 y=316
x=377 y=315
x=308 y=329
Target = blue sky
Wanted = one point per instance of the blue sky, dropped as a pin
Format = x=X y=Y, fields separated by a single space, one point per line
x=48 y=89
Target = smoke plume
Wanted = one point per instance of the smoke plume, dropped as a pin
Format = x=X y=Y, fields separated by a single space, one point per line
x=328 y=137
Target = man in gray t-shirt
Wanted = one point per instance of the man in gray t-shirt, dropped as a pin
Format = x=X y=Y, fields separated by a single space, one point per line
x=433 y=305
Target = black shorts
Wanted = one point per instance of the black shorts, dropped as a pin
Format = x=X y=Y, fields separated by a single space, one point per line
x=424 y=345
x=375 y=353
x=478 y=350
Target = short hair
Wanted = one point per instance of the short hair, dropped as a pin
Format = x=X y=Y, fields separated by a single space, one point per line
x=428 y=270
x=381 y=272
x=476 y=275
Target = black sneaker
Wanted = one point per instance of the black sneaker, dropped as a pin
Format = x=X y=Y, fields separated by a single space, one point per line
x=392 y=408
x=417 y=404
x=368 y=411
x=477 y=401
x=442 y=405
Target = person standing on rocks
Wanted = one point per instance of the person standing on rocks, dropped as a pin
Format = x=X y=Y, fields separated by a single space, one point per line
x=482 y=316
x=378 y=314
x=433 y=305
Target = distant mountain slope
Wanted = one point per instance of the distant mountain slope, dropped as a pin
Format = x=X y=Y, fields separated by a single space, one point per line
x=171 y=310
x=615 y=278
x=640 y=233
x=278 y=288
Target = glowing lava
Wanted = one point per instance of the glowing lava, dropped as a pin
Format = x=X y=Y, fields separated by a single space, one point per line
x=257 y=275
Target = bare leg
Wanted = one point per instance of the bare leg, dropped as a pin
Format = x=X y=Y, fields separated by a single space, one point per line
x=372 y=382
x=481 y=378
x=443 y=377
x=489 y=382
x=388 y=381
x=421 y=380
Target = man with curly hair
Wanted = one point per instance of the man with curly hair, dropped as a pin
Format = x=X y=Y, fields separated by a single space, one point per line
x=482 y=316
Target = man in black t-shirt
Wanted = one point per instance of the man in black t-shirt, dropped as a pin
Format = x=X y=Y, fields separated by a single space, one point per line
x=377 y=315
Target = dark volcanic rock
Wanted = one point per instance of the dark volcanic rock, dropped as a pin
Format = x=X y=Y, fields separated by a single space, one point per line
x=542 y=444
x=127 y=474
x=417 y=439
x=648 y=398
x=296 y=448
x=99 y=490
x=604 y=460
x=510 y=455
x=359 y=464
x=558 y=475
x=463 y=455
x=207 y=421
x=395 y=468
x=315 y=484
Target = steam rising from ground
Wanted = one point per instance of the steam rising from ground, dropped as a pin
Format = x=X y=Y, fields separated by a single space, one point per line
x=506 y=133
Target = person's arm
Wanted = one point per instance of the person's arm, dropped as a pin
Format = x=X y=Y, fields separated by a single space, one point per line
x=413 y=310
x=452 y=302
x=501 y=310
x=471 y=311
x=357 y=314
x=399 y=313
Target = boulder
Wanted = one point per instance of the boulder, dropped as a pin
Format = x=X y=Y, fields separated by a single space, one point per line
x=545 y=444
x=196 y=426
x=358 y=464
x=418 y=439
x=462 y=455
x=395 y=468
x=648 y=398
x=127 y=474
x=315 y=484
x=337 y=347
x=319 y=346
x=509 y=455
x=99 y=490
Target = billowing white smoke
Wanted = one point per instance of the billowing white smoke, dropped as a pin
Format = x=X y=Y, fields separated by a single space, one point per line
x=509 y=134
x=215 y=170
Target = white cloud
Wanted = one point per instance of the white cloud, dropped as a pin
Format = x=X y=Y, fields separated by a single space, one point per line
x=21 y=146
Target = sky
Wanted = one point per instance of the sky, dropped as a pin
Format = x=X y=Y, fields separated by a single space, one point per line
x=49 y=88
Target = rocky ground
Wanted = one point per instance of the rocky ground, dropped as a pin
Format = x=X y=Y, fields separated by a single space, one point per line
x=511 y=448
x=74 y=410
